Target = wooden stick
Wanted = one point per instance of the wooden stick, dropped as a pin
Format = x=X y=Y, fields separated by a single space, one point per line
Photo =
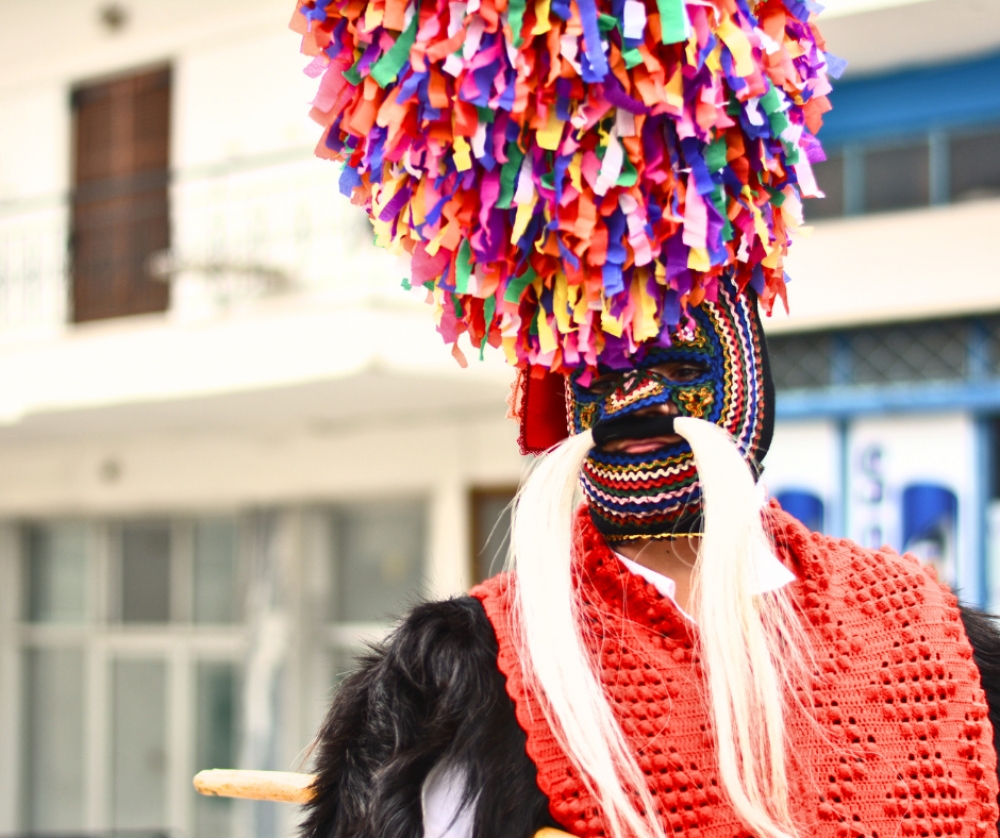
x=282 y=786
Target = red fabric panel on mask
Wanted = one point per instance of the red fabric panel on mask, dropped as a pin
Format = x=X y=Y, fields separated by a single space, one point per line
x=542 y=410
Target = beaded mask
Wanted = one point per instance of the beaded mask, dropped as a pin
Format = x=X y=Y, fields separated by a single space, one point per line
x=715 y=368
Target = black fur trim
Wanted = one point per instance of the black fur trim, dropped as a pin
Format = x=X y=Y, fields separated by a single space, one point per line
x=767 y=429
x=983 y=631
x=430 y=693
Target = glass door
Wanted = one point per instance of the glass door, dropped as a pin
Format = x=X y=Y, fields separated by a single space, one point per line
x=139 y=745
x=130 y=671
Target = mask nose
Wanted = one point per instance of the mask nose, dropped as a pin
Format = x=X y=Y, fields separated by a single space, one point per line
x=636 y=387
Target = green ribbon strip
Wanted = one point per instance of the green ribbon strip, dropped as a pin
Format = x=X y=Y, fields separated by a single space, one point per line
x=533 y=328
x=549 y=176
x=353 y=75
x=719 y=200
x=777 y=196
x=673 y=21
x=508 y=175
x=386 y=69
x=488 y=311
x=633 y=58
x=715 y=155
x=515 y=17
x=463 y=267
x=779 y=123
x=628 y=176
x=770 y=101
x=515 y=288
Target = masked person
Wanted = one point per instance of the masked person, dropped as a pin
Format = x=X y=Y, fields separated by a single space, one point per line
x=606 y=193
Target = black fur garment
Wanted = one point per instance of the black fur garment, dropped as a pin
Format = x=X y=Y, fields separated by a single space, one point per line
x=983 y=631
x=431 y=693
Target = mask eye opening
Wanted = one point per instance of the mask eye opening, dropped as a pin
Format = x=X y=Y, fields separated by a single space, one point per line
x=681 y=371
x=603 y=385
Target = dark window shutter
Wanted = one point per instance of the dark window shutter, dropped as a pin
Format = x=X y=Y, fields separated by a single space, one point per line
x=490 y=530
x=121 y=213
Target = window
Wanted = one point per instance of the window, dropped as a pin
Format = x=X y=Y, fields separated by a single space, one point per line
x=56 y=570
x=217 y=701
x=216 y=577
x=934 y=350
x=993 y=518
x=800 y=361
x=897 y=177
x=53 y=743
x=374 y=554
x=490 y=530
x=830 y=177
x=150 y=648
x=120 y=200
x=975 y=165
x=378 y=551
x=122 y=699
x=139 y=743
x=910 y=352
x=875 y=177
x=145 y=572
x=176 y=571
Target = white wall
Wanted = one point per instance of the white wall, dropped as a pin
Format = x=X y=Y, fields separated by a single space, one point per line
x=439 y=459
x=240 y=99
x=239 y=90
x=34 y=145
x=879 y=35
x=31 y=52
x=804 y=457
x=933 y=262
x=887 y=454
x=34 y=227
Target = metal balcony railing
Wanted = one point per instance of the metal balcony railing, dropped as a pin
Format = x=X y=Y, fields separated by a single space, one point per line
x=33 y=265
x=237 y=232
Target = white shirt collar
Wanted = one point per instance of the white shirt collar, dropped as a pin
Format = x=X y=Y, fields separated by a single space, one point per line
x=771 y=575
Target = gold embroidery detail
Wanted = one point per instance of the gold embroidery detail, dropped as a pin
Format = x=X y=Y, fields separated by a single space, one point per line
x=653 y=536
x=586 y=416
x=695 y=402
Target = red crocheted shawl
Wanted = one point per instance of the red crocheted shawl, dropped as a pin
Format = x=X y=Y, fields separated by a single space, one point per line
x=903 y=745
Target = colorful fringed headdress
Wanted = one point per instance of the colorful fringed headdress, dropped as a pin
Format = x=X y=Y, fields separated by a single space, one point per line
x=569 y=176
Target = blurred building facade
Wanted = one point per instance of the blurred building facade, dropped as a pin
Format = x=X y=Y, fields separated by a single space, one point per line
x=888 y=368
x=232 y=448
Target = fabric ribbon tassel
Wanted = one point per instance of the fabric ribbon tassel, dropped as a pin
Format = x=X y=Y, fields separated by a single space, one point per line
x=568 y=174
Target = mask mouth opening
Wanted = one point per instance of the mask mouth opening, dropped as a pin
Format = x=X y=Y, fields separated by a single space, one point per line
x=633 y=426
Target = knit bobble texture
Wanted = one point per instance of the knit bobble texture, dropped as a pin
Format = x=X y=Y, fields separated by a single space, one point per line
x=889 y=738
